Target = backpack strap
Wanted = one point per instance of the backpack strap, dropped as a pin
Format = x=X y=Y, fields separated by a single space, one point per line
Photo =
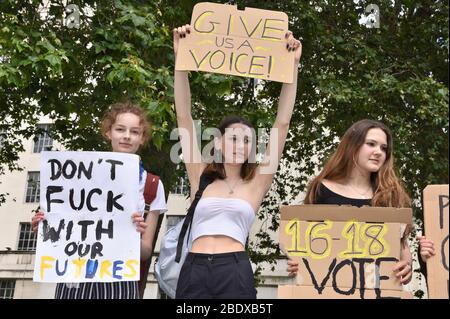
x=205 y=180
x=150 y=189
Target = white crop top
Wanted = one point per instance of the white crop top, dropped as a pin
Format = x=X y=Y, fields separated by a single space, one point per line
x=231 y=217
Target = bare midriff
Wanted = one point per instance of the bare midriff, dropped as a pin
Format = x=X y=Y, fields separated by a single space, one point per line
x=216 y=244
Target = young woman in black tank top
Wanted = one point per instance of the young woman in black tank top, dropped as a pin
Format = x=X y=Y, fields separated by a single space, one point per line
x=361 y=172
x=327 y=196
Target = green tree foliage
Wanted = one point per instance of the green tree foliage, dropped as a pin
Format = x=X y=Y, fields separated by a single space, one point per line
x=120 y=50
x=71 y=73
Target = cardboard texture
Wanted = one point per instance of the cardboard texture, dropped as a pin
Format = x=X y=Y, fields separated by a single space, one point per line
x=436 y=214
x=249 y=43
x=343 y=251
x=304 y=292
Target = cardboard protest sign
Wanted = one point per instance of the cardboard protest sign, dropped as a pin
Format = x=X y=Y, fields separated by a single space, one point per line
x=88 y=235
x=249 y=43
x=305 y=292
x=436 y=213
x=343 y=251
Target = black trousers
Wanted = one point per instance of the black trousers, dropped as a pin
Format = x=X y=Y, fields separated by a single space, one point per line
x=216 y=276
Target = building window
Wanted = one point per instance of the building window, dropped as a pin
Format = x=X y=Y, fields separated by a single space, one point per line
x=27 y=238
x=172 y=220
x=182 y=187
x=33 y=187
x=43 y=141
x=7 y=287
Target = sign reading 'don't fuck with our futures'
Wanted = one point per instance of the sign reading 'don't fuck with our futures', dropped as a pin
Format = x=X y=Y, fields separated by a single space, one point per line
x=343 y=251
x=88 y=235
x=249 y=43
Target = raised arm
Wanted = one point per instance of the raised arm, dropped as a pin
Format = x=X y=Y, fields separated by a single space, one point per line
x=189 y=144
x=280 y=129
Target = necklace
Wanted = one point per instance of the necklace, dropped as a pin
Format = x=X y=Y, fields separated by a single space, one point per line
x=358 y=192
x=231 y=188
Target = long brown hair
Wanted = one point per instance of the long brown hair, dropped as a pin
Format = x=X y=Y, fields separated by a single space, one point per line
x=217 y=169
x=116 y=109
x=388 y=190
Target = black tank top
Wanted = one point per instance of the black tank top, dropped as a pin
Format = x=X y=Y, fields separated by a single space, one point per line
x=327 y=196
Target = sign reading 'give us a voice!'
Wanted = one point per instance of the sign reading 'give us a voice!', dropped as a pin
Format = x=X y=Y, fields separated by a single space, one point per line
x=249 y=43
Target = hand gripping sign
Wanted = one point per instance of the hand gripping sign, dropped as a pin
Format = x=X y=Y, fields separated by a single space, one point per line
x=249 y=43
x=343 y=251
x=88 y=235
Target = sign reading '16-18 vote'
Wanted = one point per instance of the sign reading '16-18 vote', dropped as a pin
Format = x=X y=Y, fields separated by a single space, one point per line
x=343 y=251
x=249 y=43
x=88 y=234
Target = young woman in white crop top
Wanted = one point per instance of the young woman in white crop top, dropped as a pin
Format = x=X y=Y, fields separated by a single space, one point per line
x=218 y=266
